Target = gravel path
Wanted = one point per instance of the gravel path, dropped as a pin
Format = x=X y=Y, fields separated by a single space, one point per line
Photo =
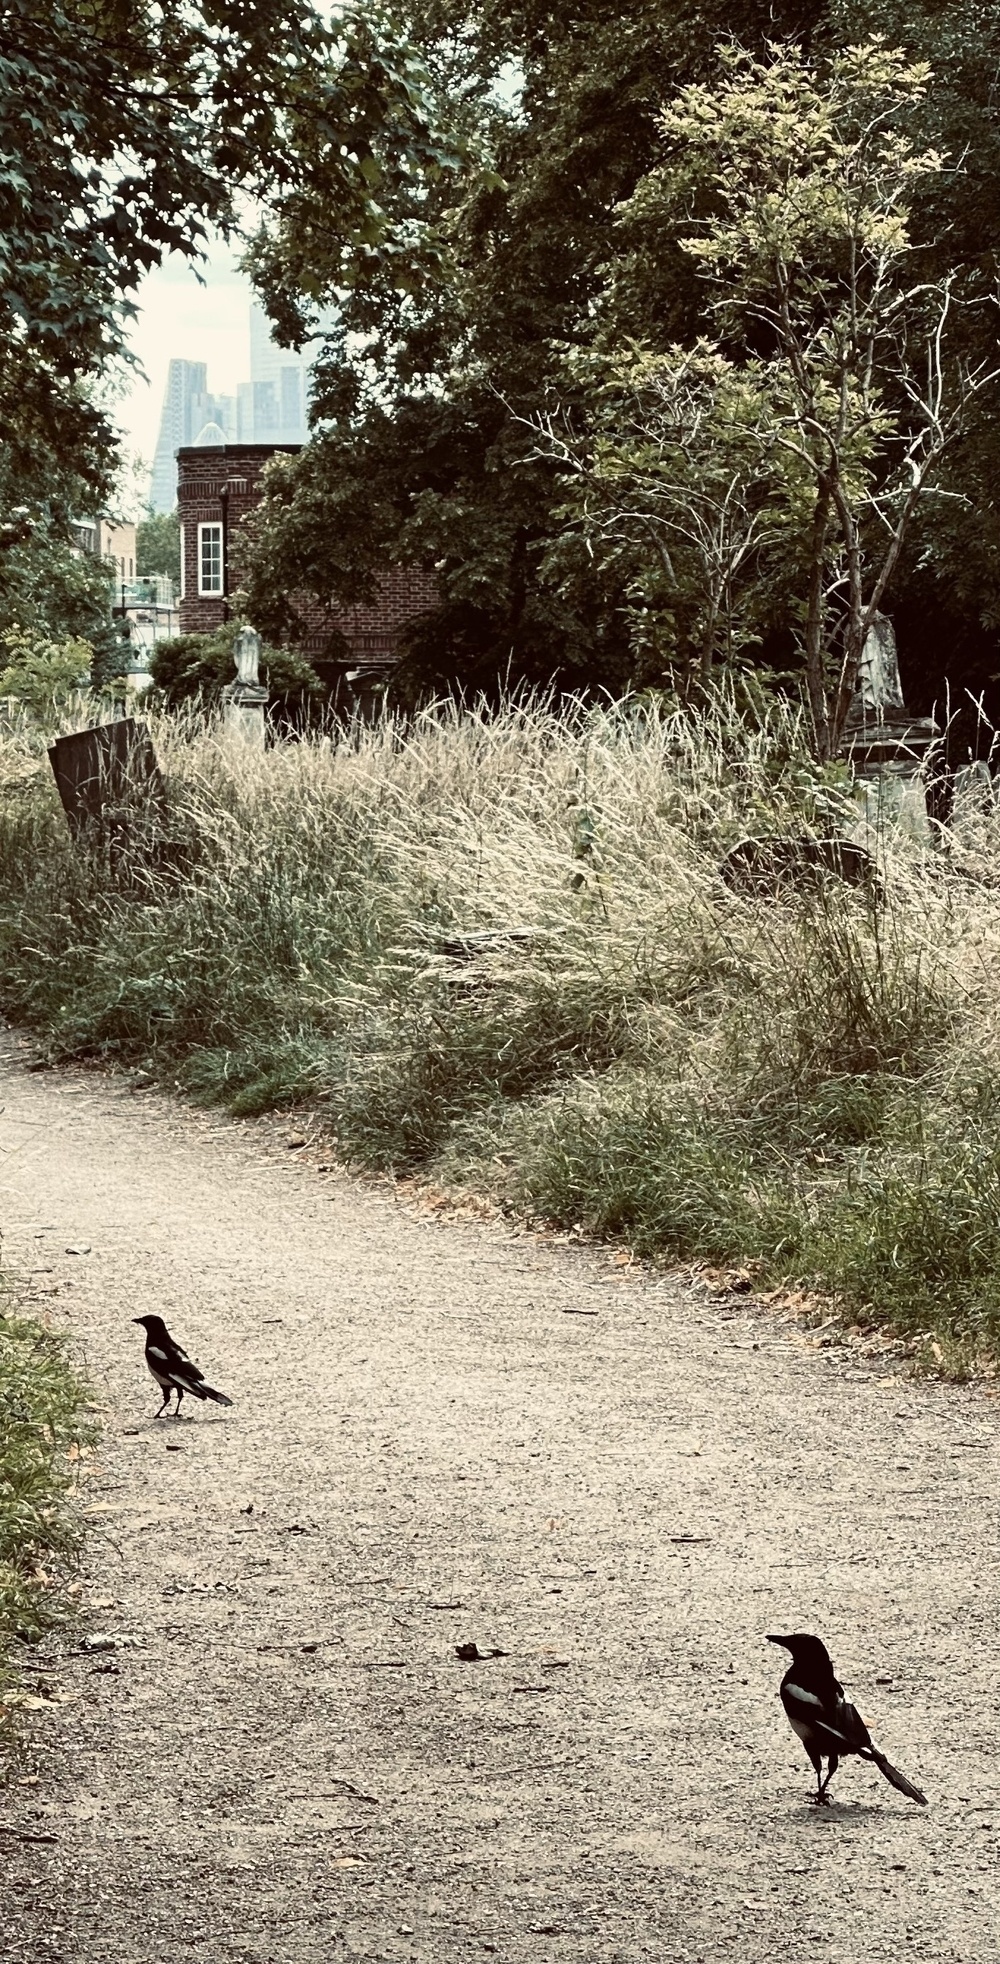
x=447 y=1431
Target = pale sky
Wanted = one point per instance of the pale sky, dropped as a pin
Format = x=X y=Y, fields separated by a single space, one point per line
x=179 y=318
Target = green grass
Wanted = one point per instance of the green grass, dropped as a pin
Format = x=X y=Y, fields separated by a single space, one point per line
x=44 y=1423
x=808 y=1083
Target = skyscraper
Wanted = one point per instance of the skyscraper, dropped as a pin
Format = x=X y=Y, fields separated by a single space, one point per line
x=273 y=407
x=185 y=380
x=244 y=412
x=279 y=379
x=187 y=407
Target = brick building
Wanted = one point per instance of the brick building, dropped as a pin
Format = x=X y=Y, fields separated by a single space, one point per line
x=218 y=485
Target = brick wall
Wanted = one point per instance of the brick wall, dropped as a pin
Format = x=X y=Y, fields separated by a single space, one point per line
x=220 y=485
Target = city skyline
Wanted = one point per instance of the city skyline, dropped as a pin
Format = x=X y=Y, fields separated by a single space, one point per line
x=270 y=407
x=181 y=313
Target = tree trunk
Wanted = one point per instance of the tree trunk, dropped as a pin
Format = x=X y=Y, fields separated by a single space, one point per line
x=857 y=621
x=815 y=636
x=708 y=643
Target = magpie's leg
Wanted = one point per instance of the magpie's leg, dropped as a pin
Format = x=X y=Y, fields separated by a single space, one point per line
x=165 y=1403
x=819 y=1798
x=830 y=1771
x=177 y=1407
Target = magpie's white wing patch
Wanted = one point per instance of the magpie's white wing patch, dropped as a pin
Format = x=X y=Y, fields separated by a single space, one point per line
x=829 y=1728
x=160 y=1355
x=800 y=1697
x=182 y=1372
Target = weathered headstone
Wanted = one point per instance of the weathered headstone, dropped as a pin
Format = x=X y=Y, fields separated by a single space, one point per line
x=110 y=785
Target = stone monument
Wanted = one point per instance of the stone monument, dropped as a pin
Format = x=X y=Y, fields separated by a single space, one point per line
x=886 y=746
x=245 y=700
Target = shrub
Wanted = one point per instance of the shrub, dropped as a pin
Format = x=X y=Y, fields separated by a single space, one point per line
x=197 y=667
x=40 y=674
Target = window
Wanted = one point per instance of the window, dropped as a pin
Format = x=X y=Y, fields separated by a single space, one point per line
x=209 y=559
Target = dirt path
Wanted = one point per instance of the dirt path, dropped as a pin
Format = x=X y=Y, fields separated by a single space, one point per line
x=284 y=1761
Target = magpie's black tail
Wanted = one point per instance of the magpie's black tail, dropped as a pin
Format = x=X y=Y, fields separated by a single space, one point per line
x=897 y=1779
x=205 y=1391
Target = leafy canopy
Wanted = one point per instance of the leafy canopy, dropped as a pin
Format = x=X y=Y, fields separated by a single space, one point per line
x=788 y=183
x=125 y=132
x=158 y=545
x=431 y=393
x=41 y=674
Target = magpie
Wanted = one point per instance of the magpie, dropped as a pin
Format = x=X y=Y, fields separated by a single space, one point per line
x=827 y=1724
x=172 y=1367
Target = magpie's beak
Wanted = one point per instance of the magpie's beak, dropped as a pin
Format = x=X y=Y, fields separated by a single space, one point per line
x=138 y=1319
x=782 y=1640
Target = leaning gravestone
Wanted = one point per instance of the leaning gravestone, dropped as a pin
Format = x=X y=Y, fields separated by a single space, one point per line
x=111 y=787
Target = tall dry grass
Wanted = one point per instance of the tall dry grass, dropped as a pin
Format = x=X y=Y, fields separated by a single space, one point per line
x=810 y=1081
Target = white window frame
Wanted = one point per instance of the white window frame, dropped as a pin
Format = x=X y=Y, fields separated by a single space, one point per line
x=183 y=531
x=211 y=592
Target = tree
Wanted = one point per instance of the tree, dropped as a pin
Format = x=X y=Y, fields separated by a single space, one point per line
x=158 y=545
x=795 y=178
x=48 y=585
x=41 y=674
x=426 y=394
x=125 y=131
x=665 y=483
x=426 y=389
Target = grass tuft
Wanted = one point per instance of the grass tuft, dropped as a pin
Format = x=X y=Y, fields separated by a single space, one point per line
x=44 y=1423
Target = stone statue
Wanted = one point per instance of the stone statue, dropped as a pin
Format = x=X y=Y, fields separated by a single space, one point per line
x=246 y=654
x=879 y=686
x=886 y=747
x=245 y=700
